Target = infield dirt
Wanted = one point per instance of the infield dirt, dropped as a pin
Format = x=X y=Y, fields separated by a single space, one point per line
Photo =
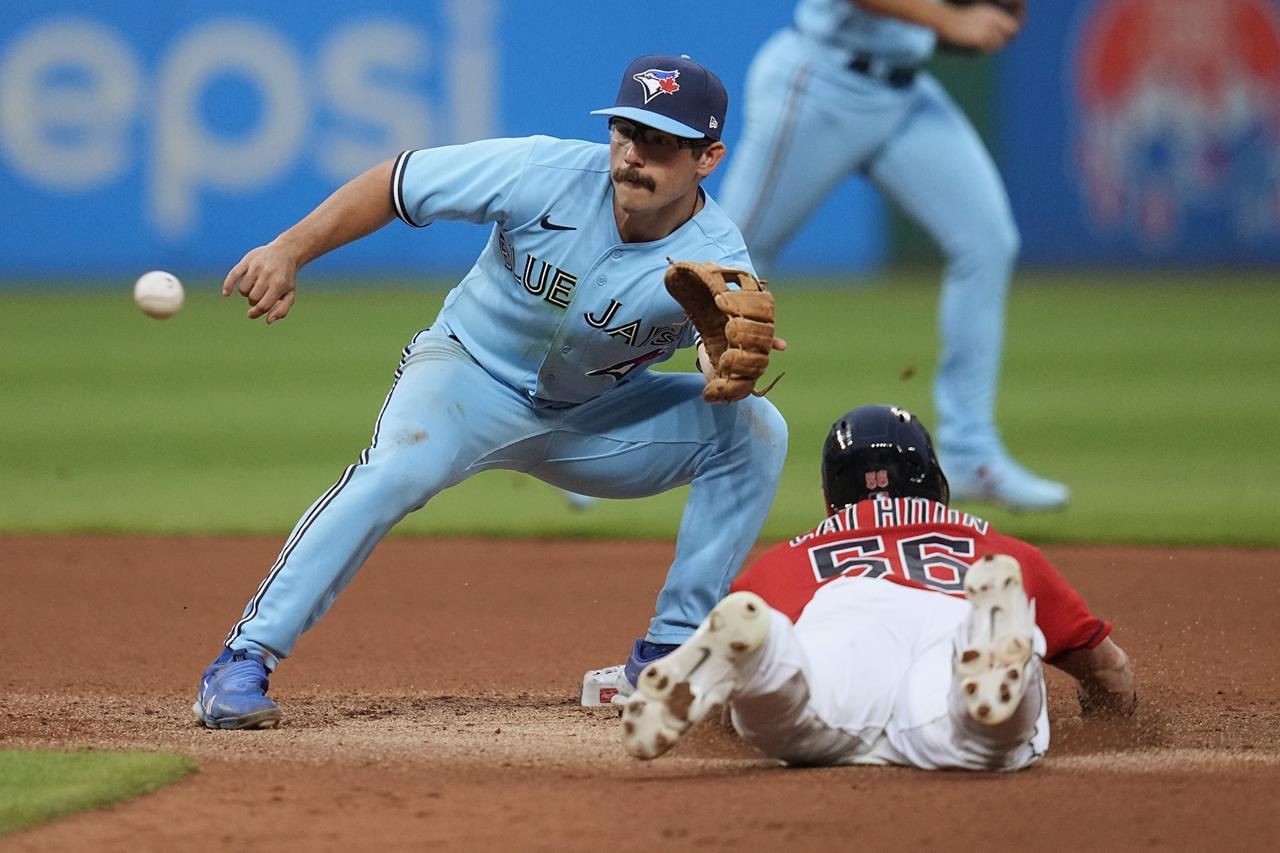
x=436 y=707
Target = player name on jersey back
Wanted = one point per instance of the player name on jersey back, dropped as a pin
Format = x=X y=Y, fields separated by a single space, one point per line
x=886 y=512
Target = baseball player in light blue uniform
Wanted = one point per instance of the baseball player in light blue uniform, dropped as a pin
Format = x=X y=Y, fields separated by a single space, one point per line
x=841 y=92
x=538 y=361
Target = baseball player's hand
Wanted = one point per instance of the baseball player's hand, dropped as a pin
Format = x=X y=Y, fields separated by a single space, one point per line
x=267 y=278
x=1104 y=676
x=983 y=27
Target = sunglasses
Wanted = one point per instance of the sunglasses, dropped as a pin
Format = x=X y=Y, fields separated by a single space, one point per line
x=652 y=140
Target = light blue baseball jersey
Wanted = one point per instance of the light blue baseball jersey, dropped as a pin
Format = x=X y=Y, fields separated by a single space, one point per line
x=848 y=25
x=557 y=306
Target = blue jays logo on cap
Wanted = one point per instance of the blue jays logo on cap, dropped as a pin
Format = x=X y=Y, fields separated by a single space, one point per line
x=656 y=82
x=695 y=108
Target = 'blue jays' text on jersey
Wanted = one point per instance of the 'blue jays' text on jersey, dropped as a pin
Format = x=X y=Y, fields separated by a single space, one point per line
x=557 y=306
x=848 y=25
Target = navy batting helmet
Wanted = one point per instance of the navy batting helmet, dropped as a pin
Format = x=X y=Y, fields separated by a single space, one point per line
x=880 y=450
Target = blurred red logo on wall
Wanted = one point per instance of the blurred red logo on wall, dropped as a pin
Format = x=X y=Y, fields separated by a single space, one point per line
x=1180 y=118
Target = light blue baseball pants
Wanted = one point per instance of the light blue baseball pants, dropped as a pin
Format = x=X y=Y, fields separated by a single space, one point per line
x=446 y=418
x=811 y=123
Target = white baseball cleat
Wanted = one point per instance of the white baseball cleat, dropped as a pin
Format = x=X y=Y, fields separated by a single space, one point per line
x=1003 y=482
x=577 y=502
x=599 y=686
x=999 y=640
x=676 y=692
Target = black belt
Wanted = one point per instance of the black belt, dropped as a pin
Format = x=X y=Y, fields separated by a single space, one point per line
x=895 y=76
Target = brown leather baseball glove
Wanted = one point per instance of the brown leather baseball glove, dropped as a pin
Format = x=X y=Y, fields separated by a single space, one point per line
x=736 y=325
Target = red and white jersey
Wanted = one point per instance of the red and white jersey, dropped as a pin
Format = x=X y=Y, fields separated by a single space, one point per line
x=918 y=543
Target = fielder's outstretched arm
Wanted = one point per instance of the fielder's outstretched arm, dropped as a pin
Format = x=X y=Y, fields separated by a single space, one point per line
x=267 y=276
x=980 y=26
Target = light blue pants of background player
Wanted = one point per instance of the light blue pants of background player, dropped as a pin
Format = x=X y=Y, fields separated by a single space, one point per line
x=810 y=123
x=445 y=419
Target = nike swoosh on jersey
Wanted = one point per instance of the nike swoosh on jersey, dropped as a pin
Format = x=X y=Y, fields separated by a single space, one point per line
x=546 y=223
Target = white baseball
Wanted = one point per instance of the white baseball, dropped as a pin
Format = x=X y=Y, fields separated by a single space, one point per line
x=158 y=293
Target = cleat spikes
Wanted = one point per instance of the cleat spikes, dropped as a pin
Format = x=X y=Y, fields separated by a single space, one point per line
x=679 y=690
x=996 y=644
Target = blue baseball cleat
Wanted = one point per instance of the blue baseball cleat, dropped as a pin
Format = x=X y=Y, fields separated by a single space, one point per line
x=1005 y=483
x=233 y=694
x=644 y=653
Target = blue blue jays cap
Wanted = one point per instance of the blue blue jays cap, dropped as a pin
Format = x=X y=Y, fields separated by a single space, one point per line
x=673 y=94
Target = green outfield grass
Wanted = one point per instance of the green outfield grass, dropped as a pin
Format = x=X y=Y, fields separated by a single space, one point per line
x=39 y=786
x=1157 y=398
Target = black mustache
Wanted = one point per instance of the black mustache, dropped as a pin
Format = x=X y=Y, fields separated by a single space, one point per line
x=633 y=176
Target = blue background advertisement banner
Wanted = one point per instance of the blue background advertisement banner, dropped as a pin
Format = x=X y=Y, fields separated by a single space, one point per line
x=178 y=135
x=136 y=134
x=1138 y=131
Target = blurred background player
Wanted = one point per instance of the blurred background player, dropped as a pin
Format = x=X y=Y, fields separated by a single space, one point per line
x=538 y=361
x=842 y=92
x=918 y=630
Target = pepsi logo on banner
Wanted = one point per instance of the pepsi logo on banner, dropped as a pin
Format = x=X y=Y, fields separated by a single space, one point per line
x=1179 y=132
